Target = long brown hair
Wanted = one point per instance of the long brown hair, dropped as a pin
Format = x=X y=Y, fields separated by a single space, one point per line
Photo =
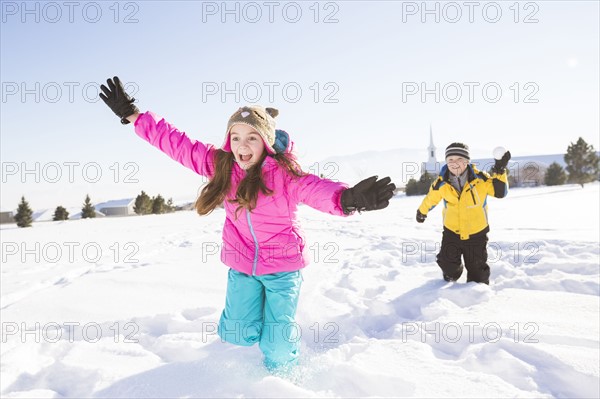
x=213 y=194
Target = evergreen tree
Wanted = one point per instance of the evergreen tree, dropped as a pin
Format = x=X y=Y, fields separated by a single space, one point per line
x=424 y=183
x=60 y=213
x=412 y=188
x=582 y=162
x=170 y=207
x=24 y=214
x=555 y=175
x=88 y=210
x=158 y=204
x=143 y=204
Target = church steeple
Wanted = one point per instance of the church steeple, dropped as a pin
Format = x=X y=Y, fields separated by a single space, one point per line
x=431 y=166
x=431 y=148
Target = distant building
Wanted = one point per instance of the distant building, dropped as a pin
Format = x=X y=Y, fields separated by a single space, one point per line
x=187 y=206
x=432 y=166
x=47 y=215
x=6 y=216
x=43 y=215
x=122 y=207
x=77 y=215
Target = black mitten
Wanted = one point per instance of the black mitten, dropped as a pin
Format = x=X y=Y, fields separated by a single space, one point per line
x=118 y=100
x=420 y=217
x=368 y=195
x=500 y=165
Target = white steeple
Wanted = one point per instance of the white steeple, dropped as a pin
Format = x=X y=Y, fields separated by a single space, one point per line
x=431 y=148
x=431 y=166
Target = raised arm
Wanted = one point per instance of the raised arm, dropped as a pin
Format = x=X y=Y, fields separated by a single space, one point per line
x=177 y=145
x=192 y=154
x=321 y=194
x=337 y=199
x=497 y=185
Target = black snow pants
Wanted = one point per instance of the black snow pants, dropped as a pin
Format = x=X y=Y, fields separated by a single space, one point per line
x=474 y=252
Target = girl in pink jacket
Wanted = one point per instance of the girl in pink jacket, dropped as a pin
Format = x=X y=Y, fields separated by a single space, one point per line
x=257 y=179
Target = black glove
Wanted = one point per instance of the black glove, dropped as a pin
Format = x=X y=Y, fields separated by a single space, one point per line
x=120 y=102
x=420 y=217
x=368 y=195
x=500 y=165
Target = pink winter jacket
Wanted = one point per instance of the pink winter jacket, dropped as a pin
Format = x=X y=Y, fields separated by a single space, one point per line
x=268 y=239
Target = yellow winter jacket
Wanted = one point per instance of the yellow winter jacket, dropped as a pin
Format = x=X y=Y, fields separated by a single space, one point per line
x=465 y=214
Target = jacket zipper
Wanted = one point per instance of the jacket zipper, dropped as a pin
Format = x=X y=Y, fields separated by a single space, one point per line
x=255 y=243
x=472 y=195
x=253 y=234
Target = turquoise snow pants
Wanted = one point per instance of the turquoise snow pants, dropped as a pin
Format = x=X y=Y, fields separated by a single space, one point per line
x=262 y=309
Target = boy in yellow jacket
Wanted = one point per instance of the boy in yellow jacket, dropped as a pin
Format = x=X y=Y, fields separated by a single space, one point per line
x=464 y=190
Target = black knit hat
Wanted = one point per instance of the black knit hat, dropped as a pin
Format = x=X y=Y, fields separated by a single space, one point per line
x=459 y=150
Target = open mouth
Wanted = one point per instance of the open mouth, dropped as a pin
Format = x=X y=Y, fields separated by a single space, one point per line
x=245 y=157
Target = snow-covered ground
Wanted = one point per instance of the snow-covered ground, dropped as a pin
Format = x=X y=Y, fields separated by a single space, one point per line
x=127 y=307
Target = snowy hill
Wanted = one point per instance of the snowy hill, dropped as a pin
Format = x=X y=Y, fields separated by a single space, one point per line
x=403 y=164
x=133 y=312
x=400 y=164
x=46 y=215
x=544 y=160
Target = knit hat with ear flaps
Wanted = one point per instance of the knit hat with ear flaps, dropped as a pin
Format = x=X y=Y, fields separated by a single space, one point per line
x=260 y=119
x=459 y=150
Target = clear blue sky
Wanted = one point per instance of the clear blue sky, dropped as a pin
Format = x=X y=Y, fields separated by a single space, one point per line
x=367 y=61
